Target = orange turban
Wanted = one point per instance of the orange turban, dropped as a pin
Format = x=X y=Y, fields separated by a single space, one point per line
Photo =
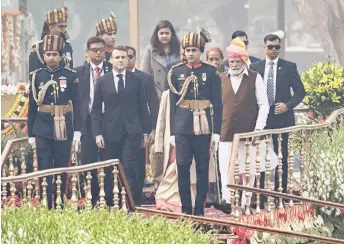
x=236 y=49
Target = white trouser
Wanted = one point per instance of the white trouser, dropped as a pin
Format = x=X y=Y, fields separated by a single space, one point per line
x=225 y=149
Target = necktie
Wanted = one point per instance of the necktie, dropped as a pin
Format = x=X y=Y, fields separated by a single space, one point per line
x=120 y=88
x=270 y=84
x=96 y=75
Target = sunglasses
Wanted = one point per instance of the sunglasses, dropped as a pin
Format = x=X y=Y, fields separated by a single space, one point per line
x=271 y=47
x=246 y=42
x=63 y=26
x=96 y=50
x=131 y=56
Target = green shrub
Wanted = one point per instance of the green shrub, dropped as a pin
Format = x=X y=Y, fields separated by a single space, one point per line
x=28 y=225
x=324 y=85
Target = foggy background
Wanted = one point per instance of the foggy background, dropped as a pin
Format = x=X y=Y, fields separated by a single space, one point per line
x=308 y=33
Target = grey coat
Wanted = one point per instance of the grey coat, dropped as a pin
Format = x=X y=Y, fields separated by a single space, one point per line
x=155 y=65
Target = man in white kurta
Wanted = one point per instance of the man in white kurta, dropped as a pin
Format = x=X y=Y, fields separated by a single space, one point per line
x=245 y=109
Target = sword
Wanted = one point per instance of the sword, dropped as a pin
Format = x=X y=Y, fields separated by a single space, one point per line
x=213 y=154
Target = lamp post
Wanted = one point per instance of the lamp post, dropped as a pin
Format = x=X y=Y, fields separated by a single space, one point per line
x=281 y=23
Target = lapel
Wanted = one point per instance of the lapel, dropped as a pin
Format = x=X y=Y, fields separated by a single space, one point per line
x=261 y=68
x=279 y=75
x=128 y=84
x=160 y=59
x=111 y=83
x=86 y=78
x=227 y=89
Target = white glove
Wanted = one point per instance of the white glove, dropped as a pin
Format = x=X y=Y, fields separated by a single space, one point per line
x=76 y=140
x=173 y=140
x=215 y=139
x=32 y=141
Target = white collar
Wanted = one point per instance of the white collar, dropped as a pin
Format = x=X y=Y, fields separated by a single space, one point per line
x=93 y=66
x=133 y=70
x=275 y=60
x=115 y=73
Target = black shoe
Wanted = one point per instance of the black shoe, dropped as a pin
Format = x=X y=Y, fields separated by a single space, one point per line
x=147 y=183
x=224 y=207
x=199 y=214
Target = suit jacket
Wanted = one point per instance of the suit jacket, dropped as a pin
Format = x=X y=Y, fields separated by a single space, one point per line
x=252 y=59
x=83 y=73
x=287 y=77
x=151 y=95
x=155 y=65
x=125 y=114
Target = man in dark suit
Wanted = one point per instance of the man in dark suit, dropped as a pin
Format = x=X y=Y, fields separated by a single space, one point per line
x=88 y=75
x=153 y=106
x=126 y=123
x=279 y=77
x=243 y=36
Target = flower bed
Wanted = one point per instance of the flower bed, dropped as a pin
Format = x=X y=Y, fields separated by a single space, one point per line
x=323 y=174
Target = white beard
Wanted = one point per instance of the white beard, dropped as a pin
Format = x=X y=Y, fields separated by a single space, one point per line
x=236 y=72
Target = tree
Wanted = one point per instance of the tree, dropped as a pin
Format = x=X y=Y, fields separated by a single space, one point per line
x=326 y=20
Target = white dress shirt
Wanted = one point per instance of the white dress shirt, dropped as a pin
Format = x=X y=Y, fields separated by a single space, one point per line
x=92 y=74
x=115 y=73
x=261 y=96
x=266 y=73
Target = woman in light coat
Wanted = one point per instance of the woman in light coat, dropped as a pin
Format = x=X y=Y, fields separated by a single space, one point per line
x=163 y=50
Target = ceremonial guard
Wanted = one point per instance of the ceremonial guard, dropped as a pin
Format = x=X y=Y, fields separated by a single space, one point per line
x=107 y=30
x=54 y=24
x=196 y=114
x=54 y=107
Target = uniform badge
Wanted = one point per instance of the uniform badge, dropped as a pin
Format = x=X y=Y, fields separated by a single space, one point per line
x=63 y=83
x=181 y=77
x=204 y=77
x=69 y=56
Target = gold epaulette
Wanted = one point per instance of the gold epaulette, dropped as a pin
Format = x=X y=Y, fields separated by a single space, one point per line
x=35 y=71
x=206 y=63
x=169 y=77
x=35 y=46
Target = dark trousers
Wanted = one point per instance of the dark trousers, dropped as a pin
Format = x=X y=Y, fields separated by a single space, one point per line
x=284 y=145
x=141 y=173
x=127 y=151
x=187 y=147
x=90 y=154
x=53 y=154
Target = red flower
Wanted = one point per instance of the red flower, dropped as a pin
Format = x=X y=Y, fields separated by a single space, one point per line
x=81 y=203
x=321 y=121
x=310 y=114
x=21 y=87
x=342 y=211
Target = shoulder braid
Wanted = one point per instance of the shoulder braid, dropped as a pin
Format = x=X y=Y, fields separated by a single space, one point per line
x=43 y=91
x=183 y=91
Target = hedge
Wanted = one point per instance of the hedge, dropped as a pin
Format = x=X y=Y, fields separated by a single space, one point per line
x=29 y=225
